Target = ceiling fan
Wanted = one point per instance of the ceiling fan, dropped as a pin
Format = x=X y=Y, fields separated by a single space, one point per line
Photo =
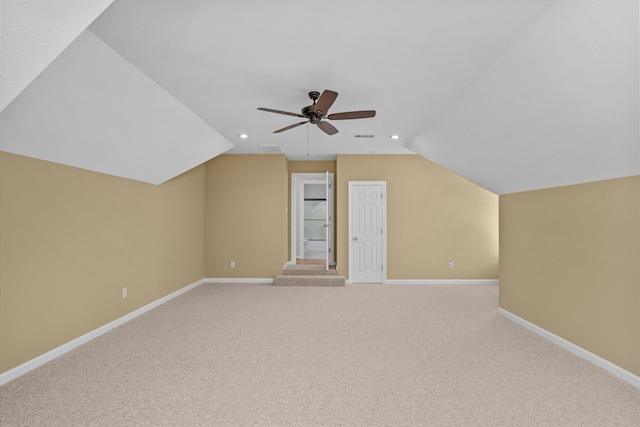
x=318 y=111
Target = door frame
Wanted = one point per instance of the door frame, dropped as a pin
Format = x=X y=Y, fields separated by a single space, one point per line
x=297 y=183
x=383 y=221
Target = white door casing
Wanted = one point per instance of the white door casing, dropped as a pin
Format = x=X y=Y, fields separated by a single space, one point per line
x=327 y=225
x=298 y=181
x=367 y=231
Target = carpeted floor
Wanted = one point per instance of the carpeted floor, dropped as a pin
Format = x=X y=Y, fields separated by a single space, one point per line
x=360 y=355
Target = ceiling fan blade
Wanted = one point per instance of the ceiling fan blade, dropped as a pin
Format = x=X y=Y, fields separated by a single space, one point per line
x=290 y=127
x=327 y=128
x=325 y=102
x=270 y=110
x=352 y=115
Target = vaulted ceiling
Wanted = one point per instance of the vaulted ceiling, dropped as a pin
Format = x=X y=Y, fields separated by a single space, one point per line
x=511 y=94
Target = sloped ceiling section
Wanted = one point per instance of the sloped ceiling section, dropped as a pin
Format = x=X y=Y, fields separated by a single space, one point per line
x=514 y=95
x=34 y=32
x=560 y=106
x=93 y=110
x=224 y=58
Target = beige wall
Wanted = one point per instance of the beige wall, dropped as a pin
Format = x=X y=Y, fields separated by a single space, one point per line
x=71 y=239
x=312 y=167
x=570 y=263
x=433 y=217
x=246 y=216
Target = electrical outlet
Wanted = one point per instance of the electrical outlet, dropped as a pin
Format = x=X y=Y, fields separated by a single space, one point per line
x=124 y=292
x=450 y=266
x=232 y=264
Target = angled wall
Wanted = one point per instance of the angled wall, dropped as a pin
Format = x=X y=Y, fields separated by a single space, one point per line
x=570 y=263
x=71 y=239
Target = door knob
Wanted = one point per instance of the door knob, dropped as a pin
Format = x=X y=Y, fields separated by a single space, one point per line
x=355 y=239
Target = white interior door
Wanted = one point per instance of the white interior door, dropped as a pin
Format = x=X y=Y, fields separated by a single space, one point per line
x=329 y=230
x=367 y=224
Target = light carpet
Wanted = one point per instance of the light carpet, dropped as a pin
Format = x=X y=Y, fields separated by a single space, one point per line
x=360 y=355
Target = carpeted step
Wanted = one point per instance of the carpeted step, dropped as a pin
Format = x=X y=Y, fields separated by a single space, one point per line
x=300 y=270
x=308 y=280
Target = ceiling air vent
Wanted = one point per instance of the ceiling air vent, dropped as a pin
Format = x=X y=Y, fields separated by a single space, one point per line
x=364 y=136
x=271 y=149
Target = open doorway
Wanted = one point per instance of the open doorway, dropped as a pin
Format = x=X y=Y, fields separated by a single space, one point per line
x=312 y=235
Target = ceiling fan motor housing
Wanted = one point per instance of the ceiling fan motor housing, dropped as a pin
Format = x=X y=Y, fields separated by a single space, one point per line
x=308 y=112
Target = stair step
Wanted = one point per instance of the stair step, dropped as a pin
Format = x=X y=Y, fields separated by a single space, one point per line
x=308 y=280
x=310 y=272
x=300 y=269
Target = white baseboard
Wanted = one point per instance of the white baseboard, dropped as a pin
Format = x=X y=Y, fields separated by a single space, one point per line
x=14 y=373
x=612 y=368
x=433 y=282
x=238 y=280
x=444 y=282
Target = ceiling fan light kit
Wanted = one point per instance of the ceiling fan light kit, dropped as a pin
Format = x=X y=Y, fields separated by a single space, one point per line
x=318 y=111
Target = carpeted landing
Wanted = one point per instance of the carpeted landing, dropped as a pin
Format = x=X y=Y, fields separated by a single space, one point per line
x=308 y=275
x=359 y=355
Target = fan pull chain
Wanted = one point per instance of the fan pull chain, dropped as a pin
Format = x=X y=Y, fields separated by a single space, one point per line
x=308 y=126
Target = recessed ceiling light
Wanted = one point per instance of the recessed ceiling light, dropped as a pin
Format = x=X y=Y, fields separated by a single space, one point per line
x=395 y=136
x=243 y=136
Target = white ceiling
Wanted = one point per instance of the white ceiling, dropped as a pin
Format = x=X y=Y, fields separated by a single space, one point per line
x=91 y=109
x=34 y=32
x=511 y=94
x=559 y=106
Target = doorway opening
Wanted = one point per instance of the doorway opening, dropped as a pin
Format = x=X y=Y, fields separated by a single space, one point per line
x=312 y=235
